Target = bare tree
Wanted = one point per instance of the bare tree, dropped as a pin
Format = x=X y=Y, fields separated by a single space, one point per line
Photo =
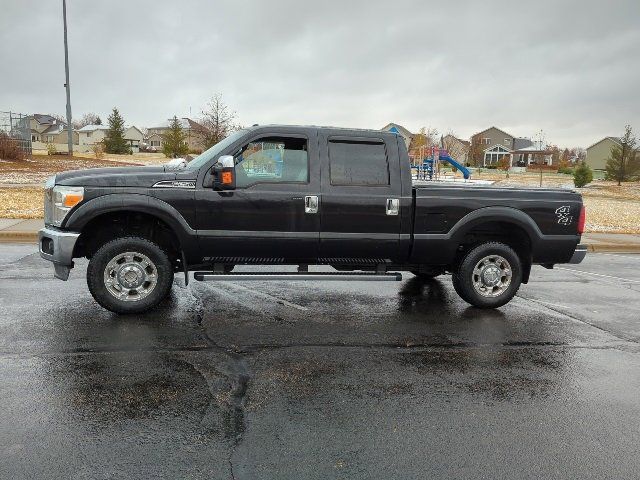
x=580 y=154
x=87 y=119
x=457 y=149
x=59 y=118
x=476 y=151
x=624 y=163
x=422 y=141
x=217 y=122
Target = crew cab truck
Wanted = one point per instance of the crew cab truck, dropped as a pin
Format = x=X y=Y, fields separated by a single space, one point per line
x=297 y=195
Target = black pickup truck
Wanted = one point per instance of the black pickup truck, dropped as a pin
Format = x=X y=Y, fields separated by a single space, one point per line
x=295 y=195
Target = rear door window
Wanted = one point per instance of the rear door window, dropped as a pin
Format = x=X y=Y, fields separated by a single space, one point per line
x=361 y=163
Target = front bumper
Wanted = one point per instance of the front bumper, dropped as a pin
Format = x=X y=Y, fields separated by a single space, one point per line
x=57 y=247
x=579 y=254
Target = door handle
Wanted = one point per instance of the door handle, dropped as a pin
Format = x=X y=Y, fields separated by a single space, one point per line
x=393 y=206
x=311 y=204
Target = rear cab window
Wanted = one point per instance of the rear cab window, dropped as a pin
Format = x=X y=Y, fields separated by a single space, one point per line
x=358 y=162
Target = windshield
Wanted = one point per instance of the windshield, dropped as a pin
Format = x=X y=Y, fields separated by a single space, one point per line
x=214 y=151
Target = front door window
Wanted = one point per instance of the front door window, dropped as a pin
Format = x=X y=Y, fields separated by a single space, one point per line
x=272 y=160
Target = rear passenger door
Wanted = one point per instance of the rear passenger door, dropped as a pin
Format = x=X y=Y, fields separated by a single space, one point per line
x=361 y=189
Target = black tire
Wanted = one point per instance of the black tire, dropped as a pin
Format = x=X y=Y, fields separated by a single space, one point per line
x=160 y=265
x=463 y=278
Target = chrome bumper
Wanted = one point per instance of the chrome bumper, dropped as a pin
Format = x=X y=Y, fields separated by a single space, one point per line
x=579 y=254
x=57 y=247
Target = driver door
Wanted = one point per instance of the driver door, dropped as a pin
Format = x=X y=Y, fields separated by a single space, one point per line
x=264 y=219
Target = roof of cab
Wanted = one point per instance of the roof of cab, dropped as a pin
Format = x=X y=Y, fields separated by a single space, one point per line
x=352 y=131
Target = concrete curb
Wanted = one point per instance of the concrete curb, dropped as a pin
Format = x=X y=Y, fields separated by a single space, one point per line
x=18 y=237
x=32 y=237
x=613 y=248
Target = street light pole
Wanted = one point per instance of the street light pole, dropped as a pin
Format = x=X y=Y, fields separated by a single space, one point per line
x=67 y=86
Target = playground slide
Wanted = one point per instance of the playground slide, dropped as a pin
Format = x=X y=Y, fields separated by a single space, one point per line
x=465 y=171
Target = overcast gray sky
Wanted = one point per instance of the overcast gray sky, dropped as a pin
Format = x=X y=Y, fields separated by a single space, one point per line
x=571 y=68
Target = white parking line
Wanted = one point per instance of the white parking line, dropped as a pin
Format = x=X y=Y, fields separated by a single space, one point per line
x=618 y=255
x=12 y=263
x=626 y=280
x=266 y=295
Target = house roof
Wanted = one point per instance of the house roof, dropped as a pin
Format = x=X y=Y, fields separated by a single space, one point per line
x=521 y=142
x=53 y=129
x=487 y=129
x=466 y=143
x=93 y=128
x=184 y=123
x=497 y=148
x=532 y=147
x=139 y=131
x=617 y=140
x=44 y=119
x=394 y=127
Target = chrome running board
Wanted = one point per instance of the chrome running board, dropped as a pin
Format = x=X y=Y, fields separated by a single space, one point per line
x=288 y=276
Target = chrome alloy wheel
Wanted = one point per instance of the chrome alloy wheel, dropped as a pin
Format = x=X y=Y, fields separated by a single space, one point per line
x=492 y=276
x=130 y=276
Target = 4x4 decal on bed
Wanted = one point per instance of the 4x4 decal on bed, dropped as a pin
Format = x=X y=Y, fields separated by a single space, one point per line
x=563 y=215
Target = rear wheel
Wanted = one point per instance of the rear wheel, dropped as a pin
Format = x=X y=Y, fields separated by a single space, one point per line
x=489 y=275
x=129 y=275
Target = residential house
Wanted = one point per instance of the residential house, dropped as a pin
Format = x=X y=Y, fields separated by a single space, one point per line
x=600 y=152
x=47 y=130
x=457 y=148
x=190 y=128
x=528 y=153
x=496 y=144
x=38 y=123
x=406 y=135
x=89 y=135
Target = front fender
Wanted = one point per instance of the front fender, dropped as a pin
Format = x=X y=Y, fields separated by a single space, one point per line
x=133 y=202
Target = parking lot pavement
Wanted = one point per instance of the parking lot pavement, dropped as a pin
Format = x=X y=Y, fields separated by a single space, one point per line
x=322 y=380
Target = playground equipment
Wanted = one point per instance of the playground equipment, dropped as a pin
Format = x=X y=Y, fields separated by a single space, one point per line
x=431 y=165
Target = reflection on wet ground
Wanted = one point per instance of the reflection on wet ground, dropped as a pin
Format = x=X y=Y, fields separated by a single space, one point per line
x=277 y=380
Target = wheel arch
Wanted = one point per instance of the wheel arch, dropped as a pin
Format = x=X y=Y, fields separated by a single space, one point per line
x=503 y=215
x=136 y=209
x=504 y=224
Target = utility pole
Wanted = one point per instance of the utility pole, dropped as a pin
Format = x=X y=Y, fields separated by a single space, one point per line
x=540 y=147
x=67 y=86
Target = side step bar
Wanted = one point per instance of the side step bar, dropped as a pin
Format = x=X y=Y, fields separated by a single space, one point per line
x=321 y=276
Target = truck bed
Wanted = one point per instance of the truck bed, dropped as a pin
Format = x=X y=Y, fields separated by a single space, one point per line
x=444 y=213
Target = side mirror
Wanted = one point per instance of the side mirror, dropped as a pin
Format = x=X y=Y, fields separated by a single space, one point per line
x=224 y=173
x=176 y=164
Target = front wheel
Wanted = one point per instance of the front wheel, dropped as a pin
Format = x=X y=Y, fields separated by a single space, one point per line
x=489 y=275
x=129 y=275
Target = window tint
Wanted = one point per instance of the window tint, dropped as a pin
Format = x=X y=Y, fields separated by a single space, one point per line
x=272 y=160
x=358 y=163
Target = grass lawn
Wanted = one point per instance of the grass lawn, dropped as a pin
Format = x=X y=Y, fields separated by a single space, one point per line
x=21 y=202
x=610 y=208
x=38 y=168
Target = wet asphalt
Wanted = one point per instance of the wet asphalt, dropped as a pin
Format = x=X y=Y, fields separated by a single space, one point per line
x=322 y=380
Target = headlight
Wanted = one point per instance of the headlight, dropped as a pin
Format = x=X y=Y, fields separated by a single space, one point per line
x=61 y=199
